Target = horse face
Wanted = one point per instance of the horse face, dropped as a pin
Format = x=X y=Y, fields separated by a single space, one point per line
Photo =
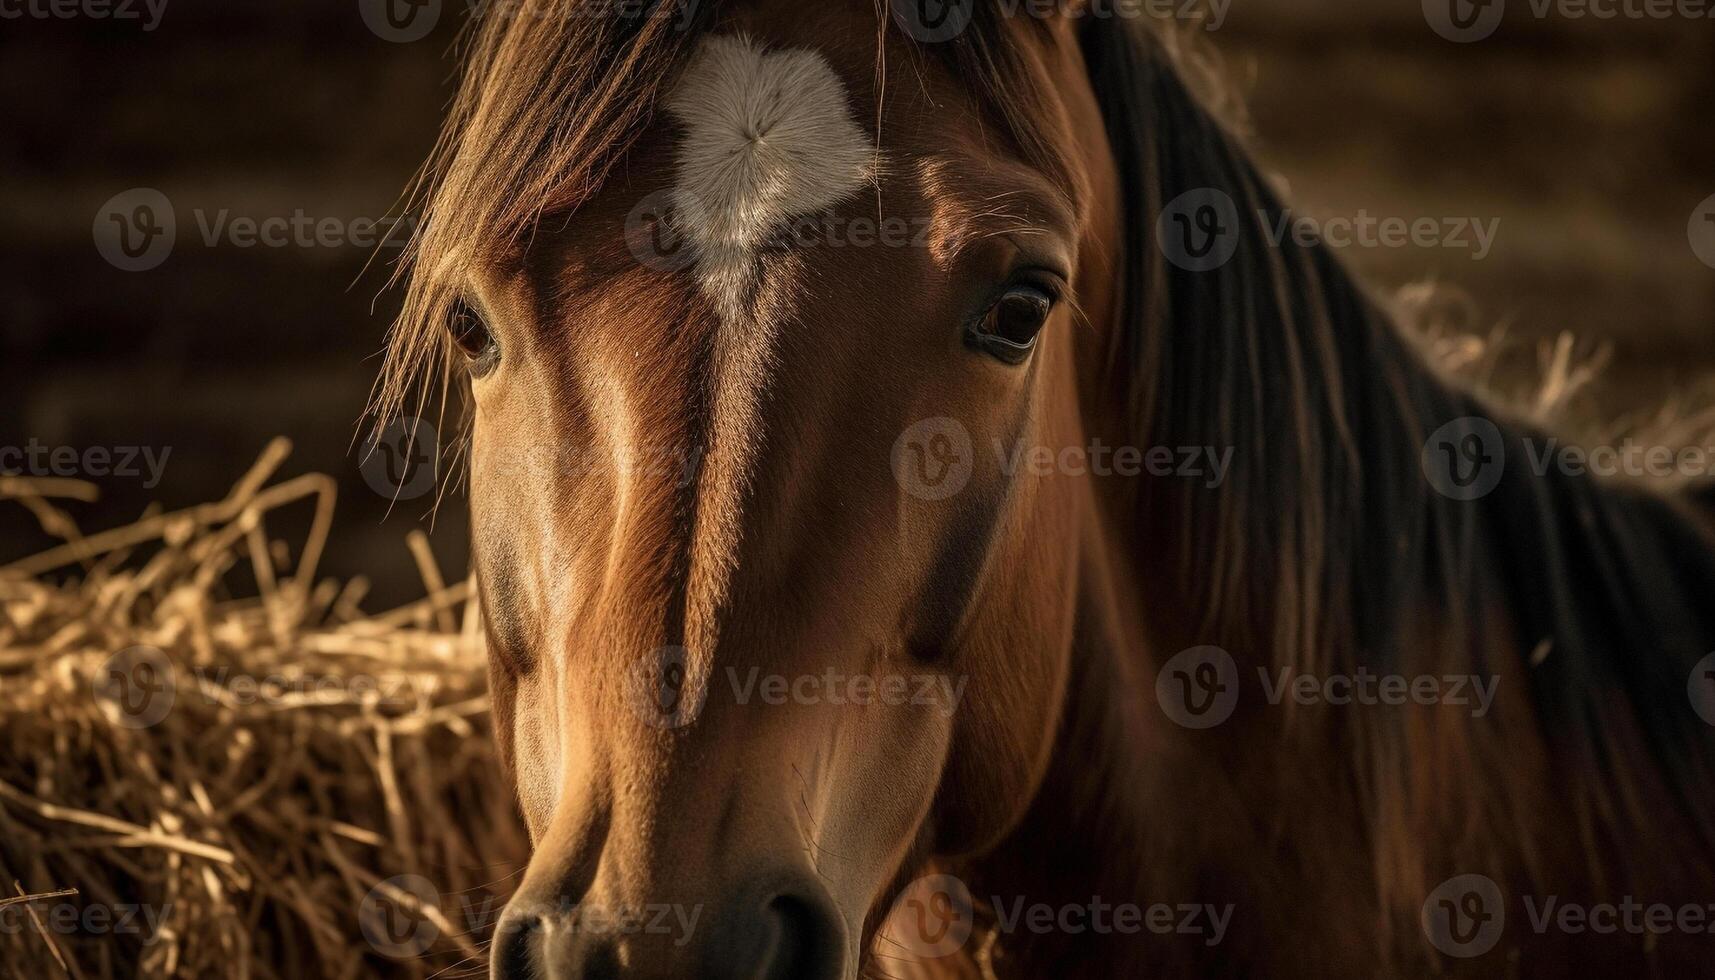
x=775 y=578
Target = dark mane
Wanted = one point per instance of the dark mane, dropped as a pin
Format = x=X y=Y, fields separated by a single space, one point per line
x=1329 y=549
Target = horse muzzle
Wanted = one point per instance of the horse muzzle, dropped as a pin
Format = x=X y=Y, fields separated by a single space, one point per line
x=774 y=928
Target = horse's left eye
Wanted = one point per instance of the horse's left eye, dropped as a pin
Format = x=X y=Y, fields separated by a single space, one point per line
x=472 y=337
x=1009 y=329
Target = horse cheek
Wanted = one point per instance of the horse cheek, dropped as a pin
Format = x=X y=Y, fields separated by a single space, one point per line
x=1004 y=730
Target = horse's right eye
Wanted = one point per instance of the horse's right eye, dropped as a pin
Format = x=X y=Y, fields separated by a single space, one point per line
x=473 y=338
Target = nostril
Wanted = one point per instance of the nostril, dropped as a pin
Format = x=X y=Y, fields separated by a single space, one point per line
x=807 y=942
x=514 y=937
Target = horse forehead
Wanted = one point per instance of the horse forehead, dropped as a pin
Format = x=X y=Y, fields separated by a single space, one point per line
x=768 y=135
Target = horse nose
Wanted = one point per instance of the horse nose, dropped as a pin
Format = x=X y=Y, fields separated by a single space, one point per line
x=794 y=934
x=512 y=953
x=768 y=934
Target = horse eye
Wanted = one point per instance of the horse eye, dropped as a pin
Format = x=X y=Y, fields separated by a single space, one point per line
x=472 y=337
x=1009 y=329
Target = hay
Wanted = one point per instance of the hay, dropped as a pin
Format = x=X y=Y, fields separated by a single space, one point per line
x=195 y=784
x=1560 y=388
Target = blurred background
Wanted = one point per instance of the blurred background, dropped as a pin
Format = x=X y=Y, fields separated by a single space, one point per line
x=1588 y=140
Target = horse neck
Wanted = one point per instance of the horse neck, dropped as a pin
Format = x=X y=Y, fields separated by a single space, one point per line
x=1277 y=358
x=1130 y=814
x=1325 y=550
x=1134 y=808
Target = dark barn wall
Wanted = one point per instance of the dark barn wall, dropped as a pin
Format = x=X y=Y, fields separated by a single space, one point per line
x=257 y=109
x=1590 y=141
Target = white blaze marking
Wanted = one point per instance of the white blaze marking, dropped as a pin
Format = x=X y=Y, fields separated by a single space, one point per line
x=769 y=137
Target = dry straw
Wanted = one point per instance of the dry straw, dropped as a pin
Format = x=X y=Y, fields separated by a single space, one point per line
x=198 y=784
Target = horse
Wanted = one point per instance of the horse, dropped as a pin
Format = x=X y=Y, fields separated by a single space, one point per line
x=850 y=610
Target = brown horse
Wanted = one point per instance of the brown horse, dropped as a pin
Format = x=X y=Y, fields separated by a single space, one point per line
x=828 y=371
